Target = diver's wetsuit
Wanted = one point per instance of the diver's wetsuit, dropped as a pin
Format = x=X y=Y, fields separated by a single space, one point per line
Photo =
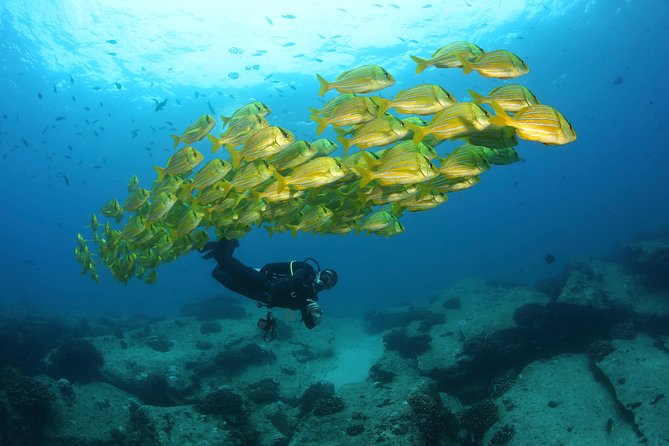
x=283 y=284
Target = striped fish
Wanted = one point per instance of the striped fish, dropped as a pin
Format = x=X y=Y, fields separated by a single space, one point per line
x=135 y=226
x=331 y=105
x=352 y=111
x=424 y=99
x=160 y=206
x=323 y=147
x=377 y=221
x=465 y=161
x=404 y=168
x=133 y=182
x=251 y=175
x=429 y=201
x=186 y=224
x=292 y=155
x=196 y=131
x=495 y=137
x=392 y=193
x=500 y=64
x=262 y=144
x=443 y=184
x=311 y=218
x=512 y=98
x=212 y=194
x=540 y=123
x=506 y=155
x=136 y=199
x=271 y=194
x=183 y=161
x=210 y=173
x=408 y=146
x=389 y=231
x=170 y=185
x=254 y=108
x=430 y=140
x=112 y=209
x=364 y=79
x=238 y=132
x=314 y=173
x=458 y=120
x=447 y=56
x=379 y=131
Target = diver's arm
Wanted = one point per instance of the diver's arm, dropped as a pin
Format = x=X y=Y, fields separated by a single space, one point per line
x=311 y=314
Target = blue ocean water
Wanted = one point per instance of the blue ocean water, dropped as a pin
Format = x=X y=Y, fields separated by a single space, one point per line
x=99 y=67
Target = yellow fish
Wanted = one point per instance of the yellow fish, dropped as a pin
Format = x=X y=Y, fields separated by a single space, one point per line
x=160 y=206
x=113 y=209
x=406 y=146
x=465 y=161
x=133 y=183
x=323 y=147
x=196 y=131
x=254 y=108
x=392 y=193
x=389 y=231
x=292 y=155
x=430 y=201
x=169 y=184
x=494 y=136
x=262 y=144
x=512 y=98
x=352 y=111
x=312 y=218
x=315 y=173
x=213 y=193
x=424 y=99
x=251 y=175
x=540 y=123
x=443 y=184
x=364 y=79
x=430 y=140
x=136 y=199
x=181 y=162
x=447 y=56
x=186 y=224
x=500 y=64
x=209 y=174
x=461 y=119
x=404 y=168
x=378 y=132
x=271 y=194
x=506 y=155
x=135 y=226
x=377 y=221
x=331 y=105
x=238 y=132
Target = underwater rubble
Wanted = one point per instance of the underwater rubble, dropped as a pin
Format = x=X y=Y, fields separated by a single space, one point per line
x=582 y=361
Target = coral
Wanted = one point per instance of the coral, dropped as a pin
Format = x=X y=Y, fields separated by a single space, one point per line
x=355 y=429
x=328 y=406
x=314 y=392
x=598 y=349
x=159 y=343
x=221 y=402
x=27 y=395
x=235 y=359
x=66 y=391
x=499 y=385
x=74 y=359
x=503 y=434
x=405 y=345
x=430 y=321
x=478 y=418
x=378 y=374
x=264 y=391
x=432 y=419
x=214 y=308
x=623 y=330
x=208 y=327
x=203 y=345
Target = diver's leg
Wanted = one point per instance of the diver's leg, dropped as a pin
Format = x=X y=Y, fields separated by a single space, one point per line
x=242 y=279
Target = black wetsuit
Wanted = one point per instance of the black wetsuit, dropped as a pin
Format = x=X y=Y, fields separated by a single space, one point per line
x=283 y=284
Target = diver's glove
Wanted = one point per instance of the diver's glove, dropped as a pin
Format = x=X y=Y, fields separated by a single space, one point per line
x=219 y=249
x=314 y=311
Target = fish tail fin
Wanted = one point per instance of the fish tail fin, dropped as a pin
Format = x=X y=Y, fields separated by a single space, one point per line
x=235 y=156
x=384 y=104
x=467 y=66
x=421 y=64
x=396 y=210
x=293 y=229
x=478 y=98
x=321 y=123
x=271 y=230
x=225 y=120
x=281 y=182
x=314 y=113
x=119 y=218
x=324 y=85
x=160 y=171
x=419 y=132
x=216 y=143
x=369 y=159
x=501 y=117
x=176 y=140
x=345 y=143
x=365 y=176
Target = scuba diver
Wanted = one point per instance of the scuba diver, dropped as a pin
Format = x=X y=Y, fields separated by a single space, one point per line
x=293 y=285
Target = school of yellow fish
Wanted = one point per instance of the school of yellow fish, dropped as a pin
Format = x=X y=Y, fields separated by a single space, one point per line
x=274 y=181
